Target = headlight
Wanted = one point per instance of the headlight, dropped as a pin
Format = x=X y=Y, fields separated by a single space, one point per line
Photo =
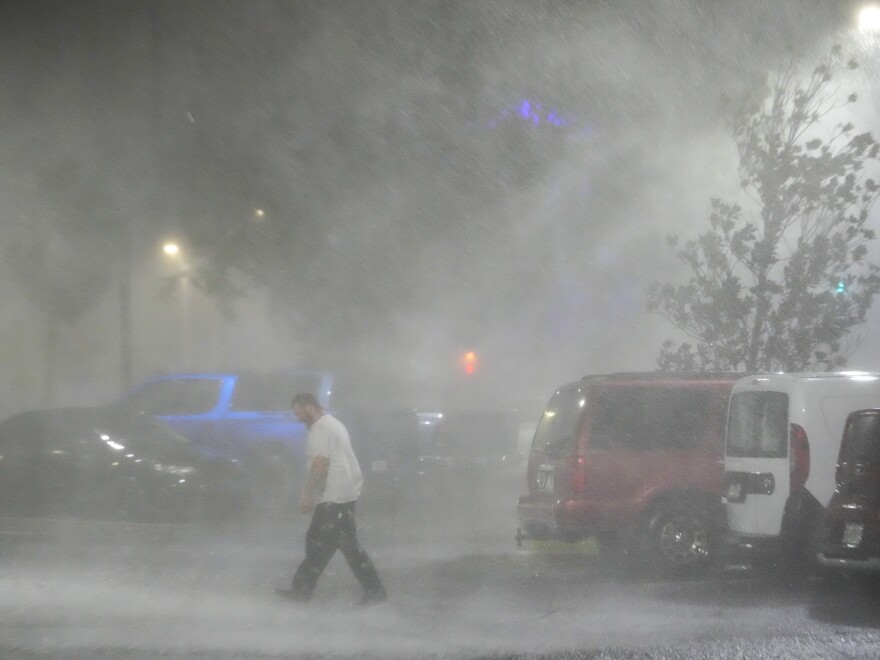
x=177 y=470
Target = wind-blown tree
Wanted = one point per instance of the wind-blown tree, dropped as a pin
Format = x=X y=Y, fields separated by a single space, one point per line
x=781 y=281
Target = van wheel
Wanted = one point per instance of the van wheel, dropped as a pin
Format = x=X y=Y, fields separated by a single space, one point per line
x=802 y=534
x=680 y=537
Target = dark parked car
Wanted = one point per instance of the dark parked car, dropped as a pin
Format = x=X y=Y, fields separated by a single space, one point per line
x=244 y=418
x=102 y=463
x=851 y=535
x=466 y=456
x=470 y=439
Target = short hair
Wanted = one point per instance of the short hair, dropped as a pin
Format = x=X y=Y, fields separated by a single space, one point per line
x=305 y=399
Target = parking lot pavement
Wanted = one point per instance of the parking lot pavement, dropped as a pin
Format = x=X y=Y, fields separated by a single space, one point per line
x=139 y=591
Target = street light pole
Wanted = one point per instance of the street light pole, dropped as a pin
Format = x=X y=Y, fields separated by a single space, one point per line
x=125 y=327
x=173 y=251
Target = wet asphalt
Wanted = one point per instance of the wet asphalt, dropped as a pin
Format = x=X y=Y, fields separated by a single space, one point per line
x=458 y=588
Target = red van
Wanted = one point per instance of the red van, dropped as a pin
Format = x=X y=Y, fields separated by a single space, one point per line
x=635 y=460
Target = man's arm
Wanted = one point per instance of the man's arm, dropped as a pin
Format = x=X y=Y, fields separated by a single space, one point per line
x=315 y=484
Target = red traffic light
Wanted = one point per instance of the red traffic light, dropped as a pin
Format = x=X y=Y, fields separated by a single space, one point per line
x=469 y=360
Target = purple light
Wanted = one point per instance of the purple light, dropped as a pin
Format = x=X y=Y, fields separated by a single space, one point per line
x=532 y=112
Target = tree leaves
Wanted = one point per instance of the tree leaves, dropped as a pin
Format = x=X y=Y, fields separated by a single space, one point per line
x=784 y=291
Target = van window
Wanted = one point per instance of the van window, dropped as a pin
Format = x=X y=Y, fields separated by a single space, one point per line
x=650 y=418
x=271 y=392
x=555 y=432
x=836 y=409
x=861 y=440
x=758 y=425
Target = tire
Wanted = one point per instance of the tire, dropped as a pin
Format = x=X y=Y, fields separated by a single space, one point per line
x=802 y=533
x=679 y=537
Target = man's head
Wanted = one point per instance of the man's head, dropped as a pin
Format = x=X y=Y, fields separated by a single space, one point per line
x=306 y=408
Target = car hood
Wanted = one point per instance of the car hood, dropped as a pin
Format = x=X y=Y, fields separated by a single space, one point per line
x=137 y=433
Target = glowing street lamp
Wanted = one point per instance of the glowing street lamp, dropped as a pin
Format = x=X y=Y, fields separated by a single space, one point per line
x=171 y=249
x=869 y=18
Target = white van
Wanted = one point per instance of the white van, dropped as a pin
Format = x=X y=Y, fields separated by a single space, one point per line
x=783 y=436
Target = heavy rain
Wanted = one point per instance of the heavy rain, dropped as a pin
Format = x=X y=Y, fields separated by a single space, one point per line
x=437 y=216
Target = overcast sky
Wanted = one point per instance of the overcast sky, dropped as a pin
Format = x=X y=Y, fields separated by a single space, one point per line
x=389 y=136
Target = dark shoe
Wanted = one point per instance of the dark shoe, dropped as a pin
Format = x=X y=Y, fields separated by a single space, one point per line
x=372 y=598
x=290 y=594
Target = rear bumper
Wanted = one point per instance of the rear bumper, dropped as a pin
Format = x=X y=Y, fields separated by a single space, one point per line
x=537 y=518
x=748 y=549
x=544 y=518
x=838 y=555
x=850 y=535
x=835 y=561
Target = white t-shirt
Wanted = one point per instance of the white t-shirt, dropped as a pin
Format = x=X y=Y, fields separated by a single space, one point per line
x=329 y=437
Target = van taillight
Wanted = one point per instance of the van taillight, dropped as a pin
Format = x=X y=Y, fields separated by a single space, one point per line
x=798 y=456
x=577 y=473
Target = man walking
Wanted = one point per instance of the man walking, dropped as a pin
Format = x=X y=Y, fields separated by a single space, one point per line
x=333 y=485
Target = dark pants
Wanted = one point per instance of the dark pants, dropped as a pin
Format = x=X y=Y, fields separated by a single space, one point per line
x=332 y=528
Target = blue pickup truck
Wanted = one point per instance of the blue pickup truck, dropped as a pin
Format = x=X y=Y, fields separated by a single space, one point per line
x=245 y=418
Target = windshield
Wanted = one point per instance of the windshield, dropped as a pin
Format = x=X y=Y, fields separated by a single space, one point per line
x=861 y=439
x=65 y=428
x=141 y=433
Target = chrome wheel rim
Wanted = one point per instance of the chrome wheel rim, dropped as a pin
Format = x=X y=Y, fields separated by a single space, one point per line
x=683 y=540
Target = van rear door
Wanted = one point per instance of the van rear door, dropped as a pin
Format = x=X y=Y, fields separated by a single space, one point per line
x=756 y=461
x=554 y=438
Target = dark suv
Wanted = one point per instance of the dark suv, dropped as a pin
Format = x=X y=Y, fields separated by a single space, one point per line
x=636 y=460
x=851 y=536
